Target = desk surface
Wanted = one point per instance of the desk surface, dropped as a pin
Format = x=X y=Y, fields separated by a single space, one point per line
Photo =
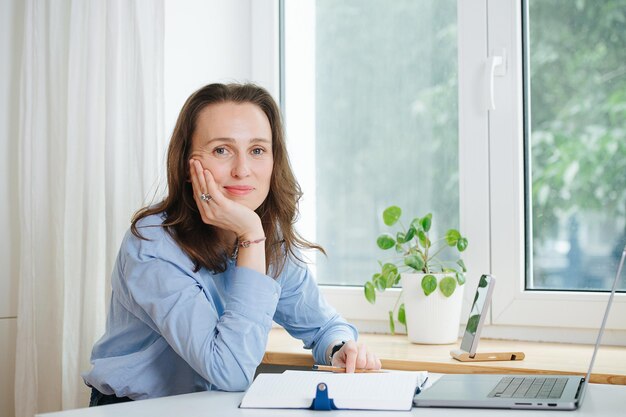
x=396 y=352
x=600 y=400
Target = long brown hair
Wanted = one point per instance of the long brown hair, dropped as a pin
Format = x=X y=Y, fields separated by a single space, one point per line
x=278 y=212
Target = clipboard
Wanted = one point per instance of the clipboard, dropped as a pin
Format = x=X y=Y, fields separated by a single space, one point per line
x=314 y=390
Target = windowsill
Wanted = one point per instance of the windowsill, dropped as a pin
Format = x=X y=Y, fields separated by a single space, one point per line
x=396 y=352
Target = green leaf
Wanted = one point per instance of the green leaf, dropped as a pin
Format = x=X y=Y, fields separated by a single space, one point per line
x=462 y=265
x=392 y=325
x=370 y=292
x=460 y=278
x=385 y=241
x=399 y=248
x=429 y=284
x=410 y=234
x=389 y=268
x=472 y=323
x=447 y=285
x=378 y=281
x=416 y=224
x=423 y=238
x=402 y=314
x=415 y=261
x=389 y=274
x=400 y=237
x=452 y=237
x=391 y=215
x=461 y=245
x=391 y=279
x=426 y=222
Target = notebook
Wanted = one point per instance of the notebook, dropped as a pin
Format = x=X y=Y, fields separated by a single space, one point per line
x=550 y=392
x=392 y=390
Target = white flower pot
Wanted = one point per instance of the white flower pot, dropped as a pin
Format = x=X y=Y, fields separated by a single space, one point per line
x=432 y=319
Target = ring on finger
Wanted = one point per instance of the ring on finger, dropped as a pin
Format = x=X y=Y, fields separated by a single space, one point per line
x=205 y=197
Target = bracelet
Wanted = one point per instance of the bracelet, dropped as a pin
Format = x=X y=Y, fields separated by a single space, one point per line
x=247 y=243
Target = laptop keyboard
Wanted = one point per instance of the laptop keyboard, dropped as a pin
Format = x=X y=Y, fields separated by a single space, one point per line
x=529 y=387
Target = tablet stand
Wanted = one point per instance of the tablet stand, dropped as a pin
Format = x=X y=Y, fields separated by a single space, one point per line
x=463 y=356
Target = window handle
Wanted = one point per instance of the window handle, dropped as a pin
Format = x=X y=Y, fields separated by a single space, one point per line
x=497 y=68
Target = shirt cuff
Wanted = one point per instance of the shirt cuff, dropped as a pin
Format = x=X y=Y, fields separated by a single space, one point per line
x=253 y=295
x=342 y=336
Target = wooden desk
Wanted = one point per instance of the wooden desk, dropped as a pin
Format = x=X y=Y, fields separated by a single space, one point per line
x=396 y=352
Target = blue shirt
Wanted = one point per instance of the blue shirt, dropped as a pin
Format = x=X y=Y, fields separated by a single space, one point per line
x=171 y=330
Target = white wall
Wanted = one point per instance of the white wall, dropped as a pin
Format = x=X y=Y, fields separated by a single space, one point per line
x=11 y=16
x=205 y=41
x=217 y=41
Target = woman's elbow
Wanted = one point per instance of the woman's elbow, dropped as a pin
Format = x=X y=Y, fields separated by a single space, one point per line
x=237 y=385
x=233 y=381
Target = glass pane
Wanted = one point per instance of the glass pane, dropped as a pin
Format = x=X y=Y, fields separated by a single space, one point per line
x=385 y=123
x=577 y=110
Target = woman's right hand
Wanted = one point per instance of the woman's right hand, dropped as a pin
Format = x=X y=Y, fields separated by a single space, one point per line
x=220 y=211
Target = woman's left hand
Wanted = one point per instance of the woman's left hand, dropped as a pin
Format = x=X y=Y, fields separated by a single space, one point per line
x=220 y=211
x=355 y=356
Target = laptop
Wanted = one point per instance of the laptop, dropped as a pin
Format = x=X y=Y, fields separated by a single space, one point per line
x=547 y=392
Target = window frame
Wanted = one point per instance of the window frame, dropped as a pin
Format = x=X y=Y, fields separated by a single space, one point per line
x=512 y=303
x=492 y=207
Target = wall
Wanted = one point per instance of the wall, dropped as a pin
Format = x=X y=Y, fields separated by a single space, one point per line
x=11 y=16
x=217 y=41
x=192 y=55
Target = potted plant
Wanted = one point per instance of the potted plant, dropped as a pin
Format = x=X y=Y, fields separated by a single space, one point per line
x=431 y=288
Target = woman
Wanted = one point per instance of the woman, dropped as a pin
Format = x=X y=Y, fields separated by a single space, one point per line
x=201 y=275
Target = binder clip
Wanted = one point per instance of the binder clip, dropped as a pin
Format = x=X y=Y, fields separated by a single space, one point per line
x=321 y=401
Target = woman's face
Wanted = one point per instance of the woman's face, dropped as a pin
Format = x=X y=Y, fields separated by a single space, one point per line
x=234 y=142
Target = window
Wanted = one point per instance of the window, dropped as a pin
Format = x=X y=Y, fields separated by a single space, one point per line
x=377 y=89
x=528 y=242
x=576 y=142
x=382 y=97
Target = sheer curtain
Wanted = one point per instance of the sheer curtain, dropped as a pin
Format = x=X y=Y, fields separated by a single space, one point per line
x=91 y=148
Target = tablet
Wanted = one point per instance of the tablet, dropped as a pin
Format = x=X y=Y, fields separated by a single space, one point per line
x=477 y=315
x=475 y=321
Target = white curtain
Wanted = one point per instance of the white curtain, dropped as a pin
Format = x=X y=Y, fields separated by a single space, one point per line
x=91 y=149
